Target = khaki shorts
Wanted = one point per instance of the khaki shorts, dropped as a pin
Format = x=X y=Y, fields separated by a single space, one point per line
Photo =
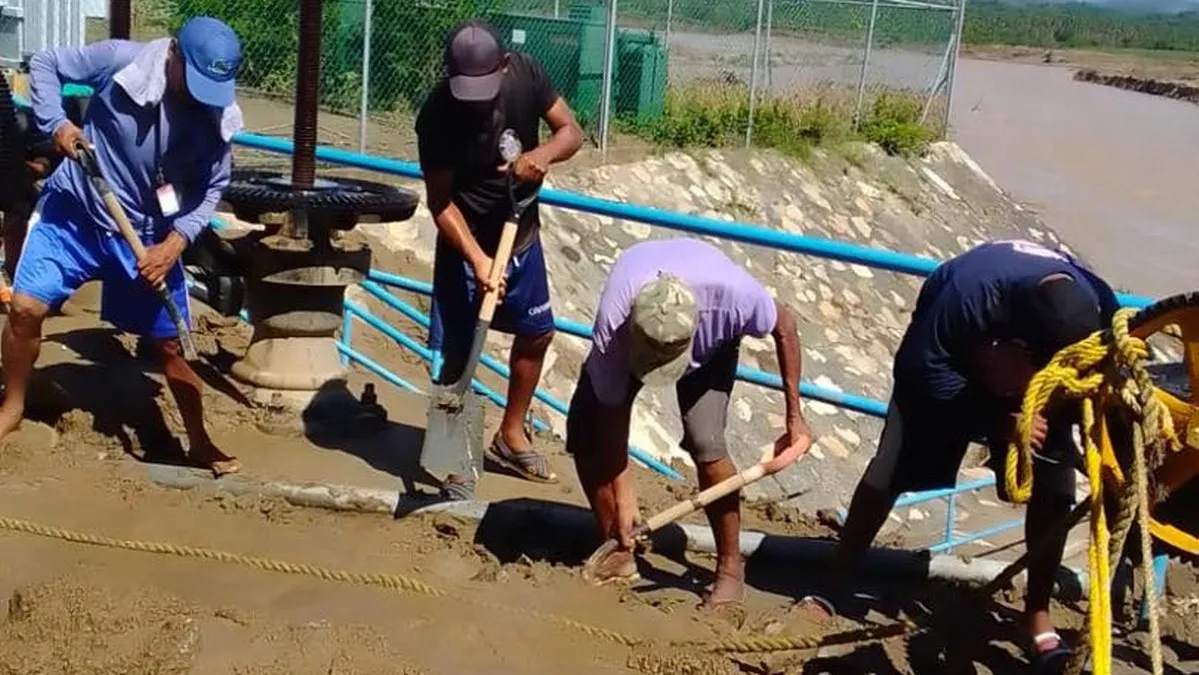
x=703 y=396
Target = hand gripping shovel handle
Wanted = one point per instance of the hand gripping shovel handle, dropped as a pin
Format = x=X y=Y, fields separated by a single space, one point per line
x=499 y=266
x=87 y=160
x=680 y=510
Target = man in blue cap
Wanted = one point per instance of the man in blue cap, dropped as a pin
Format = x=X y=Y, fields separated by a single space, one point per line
x=160 y=123
x=491 y=97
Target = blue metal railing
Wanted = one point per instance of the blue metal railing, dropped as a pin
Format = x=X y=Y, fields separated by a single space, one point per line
x=733 y=231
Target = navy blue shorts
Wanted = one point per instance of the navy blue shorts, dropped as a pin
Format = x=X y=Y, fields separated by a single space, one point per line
x=524 y=311
x=64 y=249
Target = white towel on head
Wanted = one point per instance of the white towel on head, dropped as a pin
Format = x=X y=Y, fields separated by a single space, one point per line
x=145 y=80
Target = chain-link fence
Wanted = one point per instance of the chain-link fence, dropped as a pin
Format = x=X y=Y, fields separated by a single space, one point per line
x=705 y=71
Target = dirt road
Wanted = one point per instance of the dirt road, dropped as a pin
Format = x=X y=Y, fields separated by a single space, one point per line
x=75 y=609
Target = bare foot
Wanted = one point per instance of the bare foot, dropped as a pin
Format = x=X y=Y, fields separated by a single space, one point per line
x=617 y=566
x=517 y=441
x=10 y=419
x=728 y=589
x=208 y=456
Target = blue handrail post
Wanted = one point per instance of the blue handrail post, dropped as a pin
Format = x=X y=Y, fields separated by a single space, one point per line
x=950 y=518
x=1161 y=566
x=347 y=327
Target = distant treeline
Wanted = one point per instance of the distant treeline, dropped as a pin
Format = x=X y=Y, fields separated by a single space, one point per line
x=987 y=22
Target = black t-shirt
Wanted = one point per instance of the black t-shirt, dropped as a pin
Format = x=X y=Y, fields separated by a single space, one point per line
x=974 y=297
x=451 y=136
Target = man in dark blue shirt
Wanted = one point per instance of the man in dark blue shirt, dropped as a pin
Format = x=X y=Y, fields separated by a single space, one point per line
x=984 y=323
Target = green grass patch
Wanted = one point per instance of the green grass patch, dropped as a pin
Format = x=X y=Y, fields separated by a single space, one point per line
x=716 y=115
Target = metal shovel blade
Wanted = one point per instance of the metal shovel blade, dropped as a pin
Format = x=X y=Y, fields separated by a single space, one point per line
x=454 y=433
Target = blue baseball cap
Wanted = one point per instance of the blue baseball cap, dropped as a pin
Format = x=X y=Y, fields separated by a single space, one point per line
x=212 y=54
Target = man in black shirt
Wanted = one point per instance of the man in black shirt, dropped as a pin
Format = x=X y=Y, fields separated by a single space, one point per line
x=489 y=97
x=984 y=323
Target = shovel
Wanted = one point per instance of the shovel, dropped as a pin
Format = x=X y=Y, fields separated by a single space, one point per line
x=87 y=160
x=453 y=441
x=685 y=508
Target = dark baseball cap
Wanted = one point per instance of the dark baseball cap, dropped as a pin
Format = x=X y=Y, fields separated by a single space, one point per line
x=474 y=60
x=1062 y=311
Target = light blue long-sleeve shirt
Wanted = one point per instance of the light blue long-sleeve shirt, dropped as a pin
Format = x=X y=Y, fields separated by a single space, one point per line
x=132 y=141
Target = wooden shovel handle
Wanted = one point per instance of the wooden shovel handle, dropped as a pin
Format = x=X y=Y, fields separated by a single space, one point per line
x=699 y=501
x=499 y=265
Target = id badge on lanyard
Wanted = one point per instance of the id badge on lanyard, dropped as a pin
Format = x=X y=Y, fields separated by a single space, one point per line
x=168 y=200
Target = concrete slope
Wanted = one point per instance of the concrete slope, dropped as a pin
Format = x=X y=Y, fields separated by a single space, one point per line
x=851 y=317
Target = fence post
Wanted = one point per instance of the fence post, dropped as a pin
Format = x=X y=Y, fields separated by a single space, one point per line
x=953 y=61
x=609 y=74
x=753 y=77
x=364 y=104
x=669 y=19
x=769 y=61
x=857 y=109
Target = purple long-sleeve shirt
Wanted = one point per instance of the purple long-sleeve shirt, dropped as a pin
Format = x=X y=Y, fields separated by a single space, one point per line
x=132 y=141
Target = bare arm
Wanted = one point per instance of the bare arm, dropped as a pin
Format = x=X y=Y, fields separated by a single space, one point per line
x=567 y=136
x=798 y=436
x=450 y=222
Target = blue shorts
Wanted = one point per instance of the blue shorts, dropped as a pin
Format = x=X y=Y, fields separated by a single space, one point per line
x=64 y=250
x=525 y=309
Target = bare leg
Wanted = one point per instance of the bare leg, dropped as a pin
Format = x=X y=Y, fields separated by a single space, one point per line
x=724 y=515
x=528 y=356
x=22 y=340
x=186 y=387
x=608 y=484
x=1043 y=516
x=596 y=436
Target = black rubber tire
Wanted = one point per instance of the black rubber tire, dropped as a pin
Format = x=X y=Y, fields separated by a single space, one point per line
x=252 y=193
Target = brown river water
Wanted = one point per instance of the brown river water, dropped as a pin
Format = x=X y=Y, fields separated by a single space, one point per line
x=1112 y=171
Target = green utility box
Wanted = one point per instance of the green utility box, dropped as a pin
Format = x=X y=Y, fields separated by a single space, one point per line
x=553 y=42
x=641 y=77
x=571 y=50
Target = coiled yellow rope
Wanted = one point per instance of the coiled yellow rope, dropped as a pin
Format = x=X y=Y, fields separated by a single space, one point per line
x=1106 y=368
x=407 y=584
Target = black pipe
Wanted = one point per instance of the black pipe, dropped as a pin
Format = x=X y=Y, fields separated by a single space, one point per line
x=120 y=19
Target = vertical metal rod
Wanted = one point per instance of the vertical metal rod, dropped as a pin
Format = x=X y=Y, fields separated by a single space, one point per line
x=556 y=8
x=609 y=75
x=669 y=20
x=120 y=19
x=45 y=27
x=364 y=104
x=935 y=85
x=346 y=337
x=753 y=77
x=769 y=61
x=950 y=517
x=953 y=63
x=308 y=88
x=857 y=108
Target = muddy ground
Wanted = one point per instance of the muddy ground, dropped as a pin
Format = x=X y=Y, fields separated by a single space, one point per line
x=76 y=609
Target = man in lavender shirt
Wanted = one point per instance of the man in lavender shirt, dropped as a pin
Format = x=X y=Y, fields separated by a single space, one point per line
x=674 y=312
x=160 y=122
